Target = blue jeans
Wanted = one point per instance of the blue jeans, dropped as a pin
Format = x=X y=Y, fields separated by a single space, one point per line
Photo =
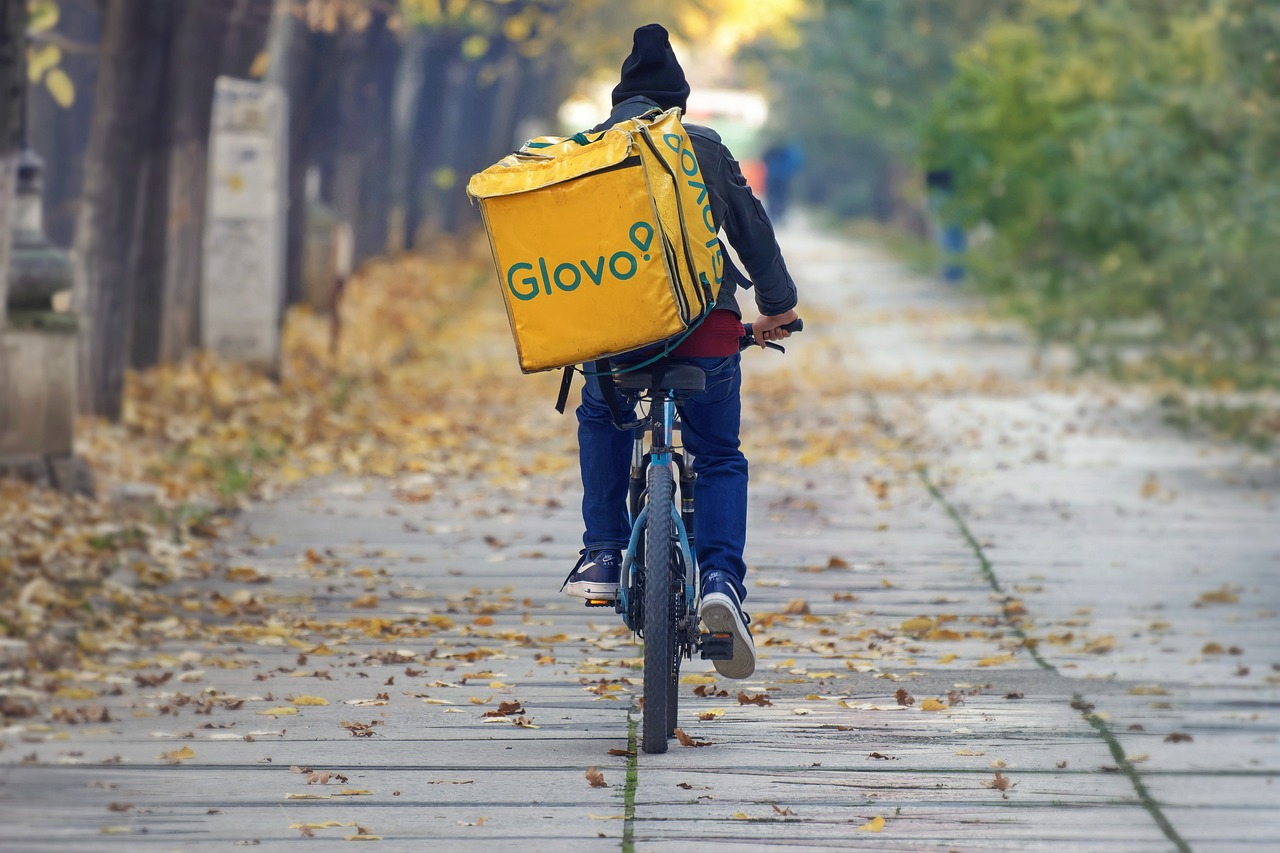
x=711 y=421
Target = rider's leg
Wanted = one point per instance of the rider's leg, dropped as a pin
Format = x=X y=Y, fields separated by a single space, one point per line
x=604 y=455
x=711 y=423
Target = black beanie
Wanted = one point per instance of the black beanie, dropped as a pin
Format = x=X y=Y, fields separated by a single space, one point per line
x=652 y=70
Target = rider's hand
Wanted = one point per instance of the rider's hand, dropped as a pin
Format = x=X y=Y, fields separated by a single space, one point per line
x=768 y=328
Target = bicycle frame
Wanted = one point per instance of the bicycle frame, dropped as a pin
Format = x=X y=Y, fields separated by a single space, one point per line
x=661 y=424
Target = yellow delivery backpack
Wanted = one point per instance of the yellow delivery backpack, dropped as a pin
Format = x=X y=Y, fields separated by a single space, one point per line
x=603 y=243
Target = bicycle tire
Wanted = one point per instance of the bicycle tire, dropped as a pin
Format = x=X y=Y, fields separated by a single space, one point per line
x=659 y=628
x=678 y=612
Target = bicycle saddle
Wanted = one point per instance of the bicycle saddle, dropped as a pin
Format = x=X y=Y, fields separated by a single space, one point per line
x=674 y=377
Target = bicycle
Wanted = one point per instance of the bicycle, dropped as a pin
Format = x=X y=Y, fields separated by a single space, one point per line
x=664 y=615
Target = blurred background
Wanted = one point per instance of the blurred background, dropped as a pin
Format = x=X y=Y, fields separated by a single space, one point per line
x=1106 y=170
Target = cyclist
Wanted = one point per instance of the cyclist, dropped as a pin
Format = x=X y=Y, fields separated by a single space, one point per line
x=652 y=77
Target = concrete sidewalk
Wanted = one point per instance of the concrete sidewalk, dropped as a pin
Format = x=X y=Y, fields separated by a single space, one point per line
x=994 y=611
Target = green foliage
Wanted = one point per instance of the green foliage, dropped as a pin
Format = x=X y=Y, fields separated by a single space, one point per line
x=856 y=93
x=1123 y=153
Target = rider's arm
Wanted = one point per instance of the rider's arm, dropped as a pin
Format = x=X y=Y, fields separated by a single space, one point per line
x=745 y=224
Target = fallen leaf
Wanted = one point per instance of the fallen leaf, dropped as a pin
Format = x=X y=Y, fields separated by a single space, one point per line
x=278 y=712
x=1223 y=595
x=1101 y=645
x=686 y=740
x=1001 y=783
x=796 y=607
x=596 y=778
x=759 y=699
x=182 y=754
x=933 y=705
x=784 y=812
x=309 y=700
x=917 y=625
x=876 y=824
x=693 y=678
x=1178 y=737
x=904 y=698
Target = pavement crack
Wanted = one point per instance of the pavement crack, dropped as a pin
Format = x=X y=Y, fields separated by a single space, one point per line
x=1099 y=725
x=633 y=778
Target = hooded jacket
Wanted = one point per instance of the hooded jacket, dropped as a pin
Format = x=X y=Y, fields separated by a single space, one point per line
x=737 y=213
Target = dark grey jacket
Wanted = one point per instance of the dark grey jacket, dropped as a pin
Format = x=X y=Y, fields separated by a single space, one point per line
x=738 y=214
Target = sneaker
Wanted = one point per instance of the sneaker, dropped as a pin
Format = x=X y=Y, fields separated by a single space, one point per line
x=721 y=613
x=596 y=576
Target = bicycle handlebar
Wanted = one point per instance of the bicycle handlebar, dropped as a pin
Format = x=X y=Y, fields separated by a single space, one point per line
x=748 y=339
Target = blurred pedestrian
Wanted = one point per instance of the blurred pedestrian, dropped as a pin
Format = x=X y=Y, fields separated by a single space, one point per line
x=783 y=160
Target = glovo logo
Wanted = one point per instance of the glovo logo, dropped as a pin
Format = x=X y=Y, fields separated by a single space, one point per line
x=566 y=276
x=679 y=144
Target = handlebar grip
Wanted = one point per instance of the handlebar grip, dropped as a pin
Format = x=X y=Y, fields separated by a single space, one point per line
x=748 y=339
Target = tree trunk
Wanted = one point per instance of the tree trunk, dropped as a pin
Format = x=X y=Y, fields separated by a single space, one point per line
x=59 y=134
x=410 y=76
x=107 y=233
x=360 y=178
x=424 y=156
x=147 y=258
x=288 y=46
x=199 y=42
x=13 y=87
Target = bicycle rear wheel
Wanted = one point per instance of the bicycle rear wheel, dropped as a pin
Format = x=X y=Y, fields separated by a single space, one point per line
x=659 y=627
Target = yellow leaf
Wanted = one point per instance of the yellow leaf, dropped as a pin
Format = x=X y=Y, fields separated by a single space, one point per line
x=475 y=46
x=1148 y=690
x=60 y=87
x=1101 y=645
x=932 y=705
x=42 y=17
x=328 y=824
x=1218 y=596
x=968 y=752
x=41 y=60
x=309 y=700
x=354 y=792
x=697 y=679
x=947 y=658
x=75 y=693
x=278 y=712
x=874 y=825
x=364 y=838
x=917 y=625
x=179 y=754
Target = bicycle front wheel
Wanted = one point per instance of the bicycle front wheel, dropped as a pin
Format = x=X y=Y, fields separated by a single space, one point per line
x=659 y=628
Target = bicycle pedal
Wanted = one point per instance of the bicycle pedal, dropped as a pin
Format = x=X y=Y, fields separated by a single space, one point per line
x=599 y=602
x=717 y=646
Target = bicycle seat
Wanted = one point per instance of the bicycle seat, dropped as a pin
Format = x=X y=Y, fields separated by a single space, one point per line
x=673 y=377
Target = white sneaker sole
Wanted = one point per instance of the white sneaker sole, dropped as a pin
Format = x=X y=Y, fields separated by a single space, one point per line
x=592 y=591
x=720 y=616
